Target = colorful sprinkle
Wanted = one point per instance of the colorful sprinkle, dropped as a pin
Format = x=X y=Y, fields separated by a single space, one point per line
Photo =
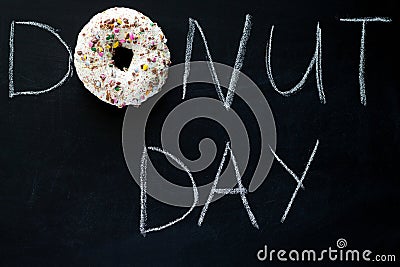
x=145 y=67
x=101 y=54
x=122 y=41
x=90 y=44
x=116 y=44
x=94 y=49
x=119 y=21
x=116 y=30
x=117 y=88
x=131 y=36
x=102 y=76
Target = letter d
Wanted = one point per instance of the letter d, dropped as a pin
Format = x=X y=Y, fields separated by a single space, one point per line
x=260 y=252
x=12 y=93
x=143 y=193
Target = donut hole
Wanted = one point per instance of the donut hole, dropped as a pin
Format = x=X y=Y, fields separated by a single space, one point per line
x=122 y=57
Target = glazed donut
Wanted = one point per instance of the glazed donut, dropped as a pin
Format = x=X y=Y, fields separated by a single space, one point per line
x=121 y=57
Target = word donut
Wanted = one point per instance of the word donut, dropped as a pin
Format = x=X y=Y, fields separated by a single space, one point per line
x=121 y=57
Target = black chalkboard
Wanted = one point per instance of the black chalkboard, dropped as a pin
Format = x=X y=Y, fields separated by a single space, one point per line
x=67 y=197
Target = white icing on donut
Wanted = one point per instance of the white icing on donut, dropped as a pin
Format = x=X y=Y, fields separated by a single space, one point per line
x=95 y=49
